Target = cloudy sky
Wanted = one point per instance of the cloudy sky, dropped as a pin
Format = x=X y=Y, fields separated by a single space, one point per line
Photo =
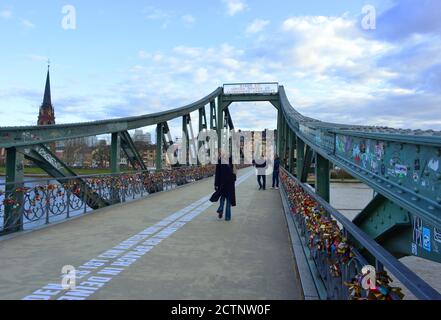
x=135 y=57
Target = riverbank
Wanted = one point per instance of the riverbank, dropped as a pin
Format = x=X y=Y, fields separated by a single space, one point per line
x=39 y=173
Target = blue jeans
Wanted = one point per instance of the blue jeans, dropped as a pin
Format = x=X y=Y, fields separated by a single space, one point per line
x=228 y=209
x=276 y=179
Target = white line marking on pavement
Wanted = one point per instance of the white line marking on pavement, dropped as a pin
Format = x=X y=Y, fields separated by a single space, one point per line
x=102 y=269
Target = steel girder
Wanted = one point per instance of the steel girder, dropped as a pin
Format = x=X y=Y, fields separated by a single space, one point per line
x=402 y=166
x=388 y=224
x=13 y=217
x=128 y=146
x=34 y=135
x=46 y=160
x=159 y=144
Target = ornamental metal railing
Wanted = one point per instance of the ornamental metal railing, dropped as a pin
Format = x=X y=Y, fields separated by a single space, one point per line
x=331 y=238
x=33 y=203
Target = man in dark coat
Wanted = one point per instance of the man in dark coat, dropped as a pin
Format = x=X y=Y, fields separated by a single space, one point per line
x=276 y=172
x=224 y=184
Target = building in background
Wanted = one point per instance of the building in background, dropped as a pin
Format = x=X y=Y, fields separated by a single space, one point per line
x=140 y=136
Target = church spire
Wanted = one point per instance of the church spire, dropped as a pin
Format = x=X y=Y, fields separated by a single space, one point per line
x=46 y=115
x=47 y=101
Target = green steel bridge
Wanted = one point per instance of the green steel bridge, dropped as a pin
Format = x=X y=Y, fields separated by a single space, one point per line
x=401 y=166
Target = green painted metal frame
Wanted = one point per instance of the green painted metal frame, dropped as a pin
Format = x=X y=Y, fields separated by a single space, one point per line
x=115 y=153
x=43 y=157
x=129 y=148
x=159 y=145
x=414 y=186
x=25 y=136
x=13 y=218
x=322 y=177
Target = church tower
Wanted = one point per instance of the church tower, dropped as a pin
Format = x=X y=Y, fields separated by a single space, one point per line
x=46 y=115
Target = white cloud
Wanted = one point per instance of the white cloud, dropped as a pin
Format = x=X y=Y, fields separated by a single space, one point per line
x=38 y=58
x=325 y=45
x=27 y=24
x=235 y=6
x=153 y=13
x=188 y=19
x=201 y=75
x=5 y=14
x=257 y=26
x=144 y=54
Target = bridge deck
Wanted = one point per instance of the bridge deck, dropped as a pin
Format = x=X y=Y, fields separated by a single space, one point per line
x=248 y=258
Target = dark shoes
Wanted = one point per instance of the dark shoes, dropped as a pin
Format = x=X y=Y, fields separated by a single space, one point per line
x=220 y=214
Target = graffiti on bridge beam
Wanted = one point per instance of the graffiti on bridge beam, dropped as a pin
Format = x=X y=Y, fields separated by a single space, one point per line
x=413 y=166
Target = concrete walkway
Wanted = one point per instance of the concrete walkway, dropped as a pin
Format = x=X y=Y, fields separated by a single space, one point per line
x=183 y=250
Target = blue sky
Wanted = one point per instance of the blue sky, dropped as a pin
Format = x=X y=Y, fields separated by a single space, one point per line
x=135 y=57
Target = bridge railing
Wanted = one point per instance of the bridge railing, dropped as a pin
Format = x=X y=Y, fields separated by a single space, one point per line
x=34 y=203
x=328 y=236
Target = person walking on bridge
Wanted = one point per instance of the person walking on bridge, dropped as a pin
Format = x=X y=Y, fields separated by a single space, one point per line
x=224 y=184
x=276 y=172
x=261 y=166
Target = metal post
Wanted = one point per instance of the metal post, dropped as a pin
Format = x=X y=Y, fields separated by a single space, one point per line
x=284 y=141
x=13 y=219
x=220 y=121
x=213 y=116
x=279 y=133
x=201 y=128
x=291 y=151
x=159 y=137
x=322 y=177
x=185 y=139
x=193 y=141
x=300 y=160
x=115 y=153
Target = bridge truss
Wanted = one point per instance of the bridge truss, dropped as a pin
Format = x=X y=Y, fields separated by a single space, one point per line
x=402 y=166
